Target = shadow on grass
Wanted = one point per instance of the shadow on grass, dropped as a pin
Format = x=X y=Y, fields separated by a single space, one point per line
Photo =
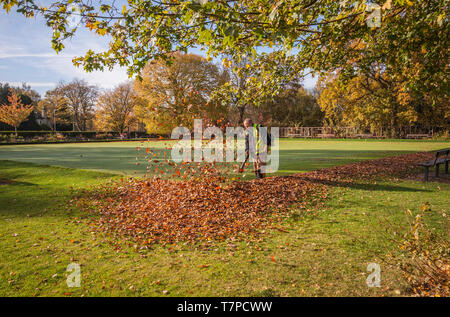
x=10 y=182
x=359 y=185
x=31 y=189
x=345 y=153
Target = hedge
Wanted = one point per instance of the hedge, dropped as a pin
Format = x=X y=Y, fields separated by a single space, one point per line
x=73 y=134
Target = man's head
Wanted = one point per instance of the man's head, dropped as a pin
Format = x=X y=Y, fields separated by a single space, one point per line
x=248 y=123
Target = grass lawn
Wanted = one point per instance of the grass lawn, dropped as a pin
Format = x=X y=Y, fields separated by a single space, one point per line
x=325 y=252
x=295 y=155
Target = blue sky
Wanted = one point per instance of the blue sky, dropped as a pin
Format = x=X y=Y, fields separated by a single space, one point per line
x=26 y=56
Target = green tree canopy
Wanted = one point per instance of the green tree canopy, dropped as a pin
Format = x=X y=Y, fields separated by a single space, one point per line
x=294 y=106
x=319 y=35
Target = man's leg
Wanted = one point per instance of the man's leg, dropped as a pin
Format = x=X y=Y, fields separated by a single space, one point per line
x=262 y=163
x=257 y=166
x=260 y=172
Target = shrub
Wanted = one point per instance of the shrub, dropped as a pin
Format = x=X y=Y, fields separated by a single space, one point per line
x=444 y=135
x=424 y=254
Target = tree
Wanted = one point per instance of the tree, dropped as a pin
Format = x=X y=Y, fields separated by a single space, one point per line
x=234 y=92
x=15 y=113
x=398 y=70
x=318 y=32
x=5 y=91
x=115 y=108
x=175 y=94
x=406 y=53
x=25 y=90
x=243 y=92
x=80 y=98
x=379 y=100
x=294 y=106
x=349 y=37
x=55 y=108
x=27 y=97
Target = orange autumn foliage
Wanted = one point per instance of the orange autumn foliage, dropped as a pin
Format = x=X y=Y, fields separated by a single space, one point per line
x=15 y=113
x=166 y=211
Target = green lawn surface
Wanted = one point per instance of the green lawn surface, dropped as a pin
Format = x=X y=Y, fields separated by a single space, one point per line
x=324 y=252
x=294 y=155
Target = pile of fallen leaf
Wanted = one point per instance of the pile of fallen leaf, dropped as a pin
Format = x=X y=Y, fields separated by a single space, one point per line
x=168 y=211
x=396 y=166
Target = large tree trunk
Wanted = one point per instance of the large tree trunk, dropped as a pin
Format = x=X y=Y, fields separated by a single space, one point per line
x=393 y=133
x=394 y=120
x=241 y=110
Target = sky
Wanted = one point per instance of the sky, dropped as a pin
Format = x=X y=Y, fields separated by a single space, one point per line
x=26 y=56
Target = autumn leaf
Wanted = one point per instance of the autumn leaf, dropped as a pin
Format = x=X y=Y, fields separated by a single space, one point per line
x=202 y=207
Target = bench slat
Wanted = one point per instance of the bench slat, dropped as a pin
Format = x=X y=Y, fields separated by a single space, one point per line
x=444 y=158
x=431 y=163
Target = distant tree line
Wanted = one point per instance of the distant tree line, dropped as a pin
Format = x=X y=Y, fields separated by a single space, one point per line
x=174 y=94
x=380 y=63
x=166 y=97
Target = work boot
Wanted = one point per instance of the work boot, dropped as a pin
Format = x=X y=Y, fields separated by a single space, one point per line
x=258 y=174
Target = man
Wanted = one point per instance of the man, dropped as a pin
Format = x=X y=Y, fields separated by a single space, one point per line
x=259 y=148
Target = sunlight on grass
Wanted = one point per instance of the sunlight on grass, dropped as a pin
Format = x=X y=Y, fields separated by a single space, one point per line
x=317 y=253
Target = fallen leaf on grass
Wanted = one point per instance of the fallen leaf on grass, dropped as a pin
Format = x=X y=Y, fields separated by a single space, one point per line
x=204 y=208
x=203 y=266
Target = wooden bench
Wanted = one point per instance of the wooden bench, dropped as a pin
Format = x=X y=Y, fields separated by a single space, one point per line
x=417 y=136
x=364 y=136
x=293 y=135
x=441 y=158
x=326 y=135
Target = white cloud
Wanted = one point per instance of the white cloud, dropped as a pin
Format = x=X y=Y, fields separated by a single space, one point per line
x=309 y=82
x=60 y=66
x=28 y=56
x=67 y=72
x=24 y=55
x=32 y=84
